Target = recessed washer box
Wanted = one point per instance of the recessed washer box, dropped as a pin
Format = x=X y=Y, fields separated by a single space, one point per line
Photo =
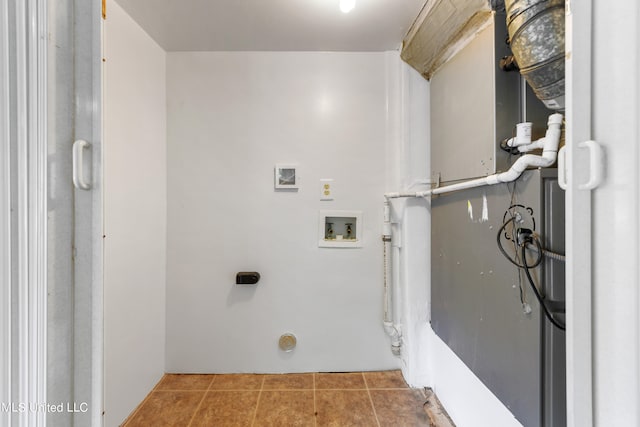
x=340 y=229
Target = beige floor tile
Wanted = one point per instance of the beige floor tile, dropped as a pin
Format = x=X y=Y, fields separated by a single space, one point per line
x=167 y=408
x=285 y=408
x=339 y=381
x=288 y=382
x=184 y=382
x=226 y=409
x=385 y=379
x=237 y=382
x=344 y=408
x=235 y=400
x=399 y=408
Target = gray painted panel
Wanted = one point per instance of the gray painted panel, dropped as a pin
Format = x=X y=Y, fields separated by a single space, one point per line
x=476 y=305
x=475 y=105
x=462 y=112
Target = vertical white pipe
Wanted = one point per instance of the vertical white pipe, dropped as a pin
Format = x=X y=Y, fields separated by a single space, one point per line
x=386 y=239
x=391 y=302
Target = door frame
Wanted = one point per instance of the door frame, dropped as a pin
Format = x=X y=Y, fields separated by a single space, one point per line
x=578 y=216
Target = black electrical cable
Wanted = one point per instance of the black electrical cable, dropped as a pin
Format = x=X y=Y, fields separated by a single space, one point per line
x=506 y=255
x=507 y=148
x=540 y=254
x=540 y=298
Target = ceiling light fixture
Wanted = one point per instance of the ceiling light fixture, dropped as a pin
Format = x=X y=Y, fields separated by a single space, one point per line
x=347 y=5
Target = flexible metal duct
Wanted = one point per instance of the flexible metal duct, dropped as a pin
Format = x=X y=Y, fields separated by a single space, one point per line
x=536 y=31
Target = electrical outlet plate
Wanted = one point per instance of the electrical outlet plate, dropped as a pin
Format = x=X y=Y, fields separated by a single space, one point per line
x=326 y=189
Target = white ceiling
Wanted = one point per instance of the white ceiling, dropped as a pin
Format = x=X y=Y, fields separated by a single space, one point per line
x=274 y=25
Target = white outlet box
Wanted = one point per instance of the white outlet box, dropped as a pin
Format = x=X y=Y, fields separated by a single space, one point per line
x=327 y=187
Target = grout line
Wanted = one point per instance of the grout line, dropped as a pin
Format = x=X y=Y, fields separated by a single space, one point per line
x=255 y=412
x=213 y=379
x=197 y=408
x=315 y=407
x=375 y=414
x=390 y=388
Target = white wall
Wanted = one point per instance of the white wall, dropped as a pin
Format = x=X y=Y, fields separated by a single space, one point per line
x=408 y=165
x=135 y=213
x=232 y=117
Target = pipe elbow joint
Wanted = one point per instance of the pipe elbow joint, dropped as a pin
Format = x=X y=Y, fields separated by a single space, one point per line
x=493 y=179
x=555 y=120
x=393 y=331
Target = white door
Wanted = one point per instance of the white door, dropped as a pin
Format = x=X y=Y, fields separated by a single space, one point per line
x=75 y=212
x=603 y=226
x=616 y=214
x=50 y=250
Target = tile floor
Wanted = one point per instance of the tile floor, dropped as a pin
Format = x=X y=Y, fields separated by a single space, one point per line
x=320 y=399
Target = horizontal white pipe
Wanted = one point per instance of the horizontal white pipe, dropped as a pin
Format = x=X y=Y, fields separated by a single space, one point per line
x=397 y=195
x=549 y=145
x=463 y=185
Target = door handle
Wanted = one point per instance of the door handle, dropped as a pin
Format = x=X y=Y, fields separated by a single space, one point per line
x=596 y=165
x=78 y=164
x=562 y=169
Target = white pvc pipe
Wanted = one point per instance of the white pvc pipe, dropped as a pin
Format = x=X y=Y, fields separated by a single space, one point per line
x=536 y=145
x=549 y=145
x=389 y=327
